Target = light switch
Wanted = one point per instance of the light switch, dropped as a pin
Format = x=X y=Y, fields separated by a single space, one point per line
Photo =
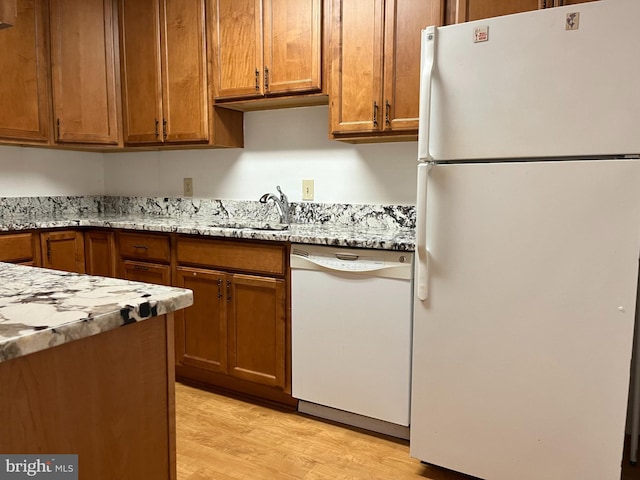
x=307 y=189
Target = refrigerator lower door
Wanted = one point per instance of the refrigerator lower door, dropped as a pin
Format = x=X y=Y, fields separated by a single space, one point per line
x=522 y=349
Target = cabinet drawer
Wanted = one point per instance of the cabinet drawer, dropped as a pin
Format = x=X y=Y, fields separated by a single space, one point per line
x=16 y=247
x=250 y=257
x=144 y=247
x=146 y=272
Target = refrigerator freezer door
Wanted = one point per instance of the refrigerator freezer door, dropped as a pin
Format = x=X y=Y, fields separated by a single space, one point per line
x=522 y=349
x=536 y=89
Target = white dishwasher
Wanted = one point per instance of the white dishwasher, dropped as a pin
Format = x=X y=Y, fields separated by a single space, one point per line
x=351 y=335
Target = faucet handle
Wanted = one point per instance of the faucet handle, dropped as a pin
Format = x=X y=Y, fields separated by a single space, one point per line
x=283 y=197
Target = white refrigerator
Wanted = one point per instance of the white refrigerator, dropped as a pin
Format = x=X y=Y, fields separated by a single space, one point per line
x=527 y=243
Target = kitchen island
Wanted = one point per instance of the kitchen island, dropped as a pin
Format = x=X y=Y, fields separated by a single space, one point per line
x=87 y=368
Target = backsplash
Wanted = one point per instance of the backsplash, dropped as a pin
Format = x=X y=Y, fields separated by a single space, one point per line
x=47 y=206
x=368 y=216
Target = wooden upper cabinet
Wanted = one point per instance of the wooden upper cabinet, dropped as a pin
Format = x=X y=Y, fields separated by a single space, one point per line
x=140 y=70
x=468 y=10
x=375 y=67
x=164 y=71
x=237 y=48
x=24 y=91
x=266 y=47
x=356 y=39
x=404 y=21
x=560 y=3
x=292 y=46
x=83 y=72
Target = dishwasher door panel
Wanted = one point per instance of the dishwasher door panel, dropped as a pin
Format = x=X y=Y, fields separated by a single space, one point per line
x=351 y=342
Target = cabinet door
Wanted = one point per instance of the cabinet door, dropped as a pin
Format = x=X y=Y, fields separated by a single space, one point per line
x=63 y=250
x=404 y=21
x=201 y=329
x=146 y=272
x=560 y=3
x=83 y=71
x=184 y=66
x=292 y=46
x=140 y=70
x=237 y=48
x=17 y=247
x=256 y=329
x=357 y=30
x=100 y=255
x=24 y=83
x=468 y=10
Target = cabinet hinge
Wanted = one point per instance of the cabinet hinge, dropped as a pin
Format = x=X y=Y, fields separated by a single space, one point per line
x=257 y=80
x=266 y=78
x=164 y=129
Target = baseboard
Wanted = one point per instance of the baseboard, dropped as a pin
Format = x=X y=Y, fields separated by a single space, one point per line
x=353 y=419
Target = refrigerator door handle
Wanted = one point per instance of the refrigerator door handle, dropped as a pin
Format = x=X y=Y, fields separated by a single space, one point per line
x=427 y=59
x=422 y=257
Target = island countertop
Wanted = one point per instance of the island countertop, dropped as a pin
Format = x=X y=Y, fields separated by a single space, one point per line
x=41 y=308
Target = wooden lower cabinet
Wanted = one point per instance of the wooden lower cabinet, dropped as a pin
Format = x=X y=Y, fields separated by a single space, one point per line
x=146 y=272
x=256 y=329
x=108 y=398
x=20 y=248
x=100 y=255
x=63 y=250
x=201 y=330
x=236 y=335
x=144 y=257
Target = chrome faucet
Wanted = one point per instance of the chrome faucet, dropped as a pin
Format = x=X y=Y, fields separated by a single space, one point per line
x=282 y=203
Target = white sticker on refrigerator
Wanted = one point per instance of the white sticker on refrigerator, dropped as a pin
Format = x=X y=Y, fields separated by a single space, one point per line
x=481 y=34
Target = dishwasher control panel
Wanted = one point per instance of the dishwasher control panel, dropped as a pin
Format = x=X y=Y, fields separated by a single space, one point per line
x=380 y=262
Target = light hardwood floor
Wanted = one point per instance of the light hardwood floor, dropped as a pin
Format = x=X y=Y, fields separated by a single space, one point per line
x=222 y=438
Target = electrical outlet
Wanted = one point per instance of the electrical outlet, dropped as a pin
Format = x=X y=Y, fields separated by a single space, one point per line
x=188 y=187
x=307 y=189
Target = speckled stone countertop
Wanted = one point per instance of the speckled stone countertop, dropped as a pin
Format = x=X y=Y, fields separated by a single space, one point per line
x=388 y=227
x=42 y=308
x=357 y=235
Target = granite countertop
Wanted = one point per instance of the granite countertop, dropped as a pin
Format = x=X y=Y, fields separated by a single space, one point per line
x=360 y=236
x=42 y=308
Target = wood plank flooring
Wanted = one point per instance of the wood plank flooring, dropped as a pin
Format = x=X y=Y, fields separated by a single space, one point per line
x=222 y=438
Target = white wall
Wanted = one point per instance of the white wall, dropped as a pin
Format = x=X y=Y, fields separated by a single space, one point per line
x=282 y=147
x=26 y=172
